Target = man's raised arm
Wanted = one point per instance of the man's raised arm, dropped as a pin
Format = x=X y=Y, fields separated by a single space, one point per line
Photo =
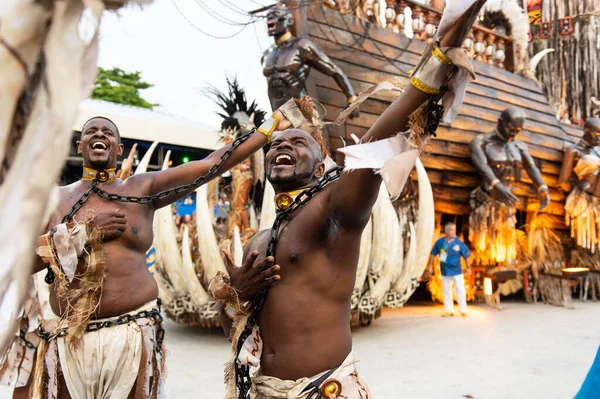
x=187 y=173
x=357 y=190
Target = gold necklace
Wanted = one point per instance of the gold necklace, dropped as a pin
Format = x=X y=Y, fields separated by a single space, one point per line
x=283 y=38
x=105 y=175
x=284 y=200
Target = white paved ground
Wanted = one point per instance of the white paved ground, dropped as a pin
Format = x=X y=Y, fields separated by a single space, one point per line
x=524 y=351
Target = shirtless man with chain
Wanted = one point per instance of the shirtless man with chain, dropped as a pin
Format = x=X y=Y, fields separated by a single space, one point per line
x=298 y=341
x=117 y=321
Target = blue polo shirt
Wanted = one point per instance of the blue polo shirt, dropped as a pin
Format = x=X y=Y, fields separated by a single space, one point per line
x=591 y=386
x=453 y=249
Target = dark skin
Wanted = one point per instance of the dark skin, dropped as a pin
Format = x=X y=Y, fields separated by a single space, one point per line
x=127 y=227
x=589 y=145
x=305 y=321
x=497 y=154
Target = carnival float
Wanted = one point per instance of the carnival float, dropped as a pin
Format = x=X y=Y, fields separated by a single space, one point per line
x=541 y=242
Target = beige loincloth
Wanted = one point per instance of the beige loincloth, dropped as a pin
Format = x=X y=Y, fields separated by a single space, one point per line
x=16 y=364
x=353 y=387
x=108 y=362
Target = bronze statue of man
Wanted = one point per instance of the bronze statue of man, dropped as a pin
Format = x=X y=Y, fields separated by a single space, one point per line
x=579 y=175
x=287 y=64
x=499 y=157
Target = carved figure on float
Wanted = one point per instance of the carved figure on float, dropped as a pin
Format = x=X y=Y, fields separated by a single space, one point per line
x=499 y=157
x=287 y=63
x=579 y=176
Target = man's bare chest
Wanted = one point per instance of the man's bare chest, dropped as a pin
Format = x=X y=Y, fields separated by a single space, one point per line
x=138 y=233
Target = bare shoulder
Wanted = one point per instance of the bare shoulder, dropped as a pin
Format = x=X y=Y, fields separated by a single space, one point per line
x=256 y=243
x=574 y=148
x=477 y=140
x=521 y=145
x=308 y=48
x=140 y=184
x=304 y=43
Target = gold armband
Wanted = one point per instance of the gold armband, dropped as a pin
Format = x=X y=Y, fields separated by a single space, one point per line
x=432 y=72
x=269 y=126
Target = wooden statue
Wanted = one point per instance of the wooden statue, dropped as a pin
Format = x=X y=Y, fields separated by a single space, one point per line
x=579 y=176
x=499 y=157
x=287 y=64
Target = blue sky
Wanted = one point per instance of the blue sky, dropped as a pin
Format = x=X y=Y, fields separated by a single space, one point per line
x=180 y=60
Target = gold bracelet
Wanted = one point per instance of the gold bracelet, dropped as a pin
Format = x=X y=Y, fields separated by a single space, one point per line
x=271 y=123
x=419 y=84
x=494 y=183
x=443 y=58
x=351 y=99
x=543 y=187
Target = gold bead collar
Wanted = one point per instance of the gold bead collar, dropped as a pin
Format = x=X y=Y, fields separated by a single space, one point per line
x=105 y=175
x=284 y=200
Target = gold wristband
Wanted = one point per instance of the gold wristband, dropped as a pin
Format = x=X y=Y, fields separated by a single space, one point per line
x=419 y=84
x=494 y=183
x=351 y=99
x=269 y=126
x=432 y=72
x=443 y=58
x=543 y=188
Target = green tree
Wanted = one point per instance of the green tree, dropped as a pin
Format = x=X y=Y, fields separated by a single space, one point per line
x=118 y=86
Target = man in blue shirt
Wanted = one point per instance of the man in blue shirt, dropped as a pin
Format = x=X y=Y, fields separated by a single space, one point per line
x=450 y=249
x=590 y=388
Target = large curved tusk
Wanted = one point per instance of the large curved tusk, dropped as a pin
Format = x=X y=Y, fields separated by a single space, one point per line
x=362 y=267
x=253 y=218
x=267 y=214
x=258 y=166
x=207 y=241
x=166 y=243
x=238 y=248
x=143 y=165
x=426 y=221
x=403 y=282
x=535 y=60
x=400 y=263
x=198 y=295
x=421 y=238
x=385 y=239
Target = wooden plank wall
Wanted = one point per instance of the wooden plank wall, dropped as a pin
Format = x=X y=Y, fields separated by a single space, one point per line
x=369 y=55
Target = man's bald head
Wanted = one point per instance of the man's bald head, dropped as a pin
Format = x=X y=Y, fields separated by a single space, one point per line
x=100 y=143
x=511 y=122
x=514 y=114
x=94 y=119
x=591 y=131
x=279 y=20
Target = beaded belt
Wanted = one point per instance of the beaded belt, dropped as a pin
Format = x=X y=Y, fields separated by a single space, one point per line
x=153 y=314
